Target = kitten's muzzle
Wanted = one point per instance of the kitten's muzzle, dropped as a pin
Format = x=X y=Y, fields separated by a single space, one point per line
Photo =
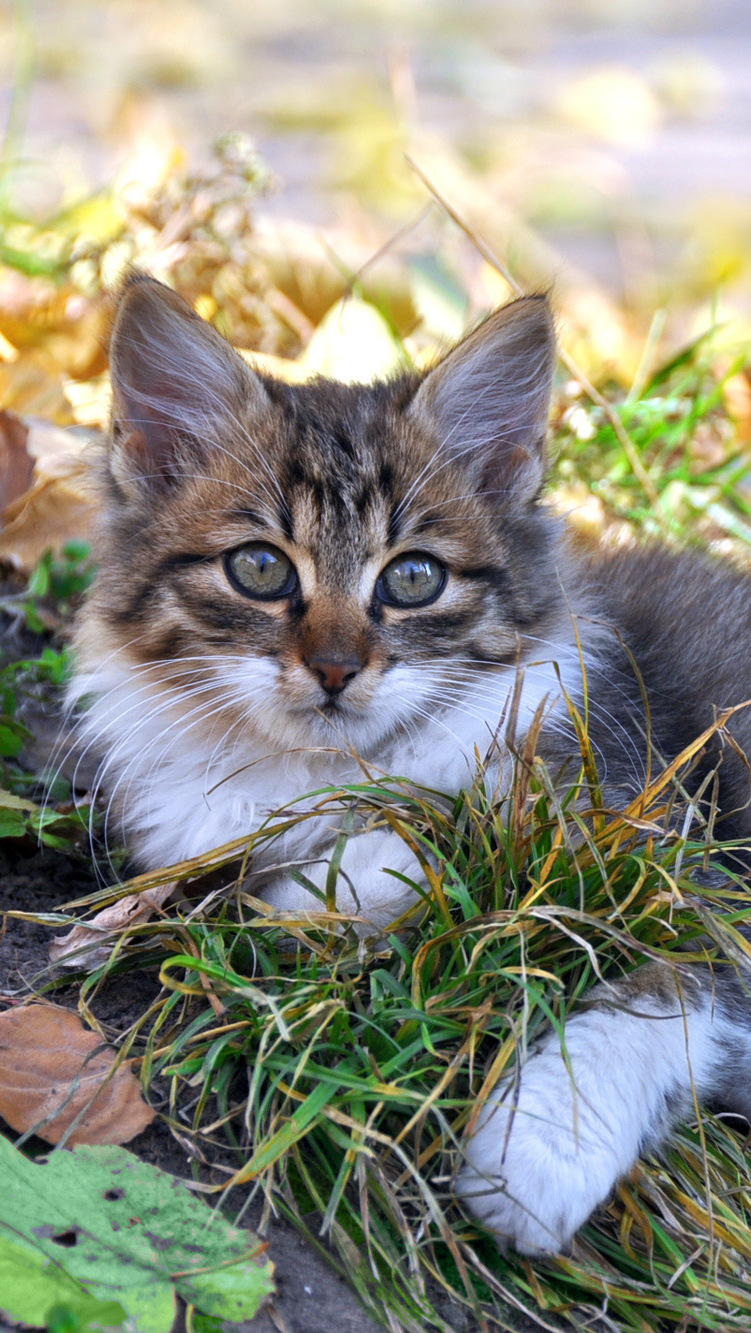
x=334 y=673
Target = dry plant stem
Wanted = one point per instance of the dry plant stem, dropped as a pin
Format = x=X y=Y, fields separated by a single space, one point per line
x=571 y=365
x=624 y=438
x=393 y=240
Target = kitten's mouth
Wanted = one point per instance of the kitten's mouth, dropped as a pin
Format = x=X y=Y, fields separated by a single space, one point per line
x=331 y=708
x=337 y=712
x=334 y=711
x=327 y=708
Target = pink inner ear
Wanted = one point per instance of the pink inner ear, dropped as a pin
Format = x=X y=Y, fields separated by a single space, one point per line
x=143 y=396
x=510 y=466
x=159 y=426
x=147 y=416
x=150 y=451
x=487 y=401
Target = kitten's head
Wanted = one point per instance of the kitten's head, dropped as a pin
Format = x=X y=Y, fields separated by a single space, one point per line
x=336 y=559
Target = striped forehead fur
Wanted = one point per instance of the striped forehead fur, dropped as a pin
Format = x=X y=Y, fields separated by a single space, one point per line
x=343 y=476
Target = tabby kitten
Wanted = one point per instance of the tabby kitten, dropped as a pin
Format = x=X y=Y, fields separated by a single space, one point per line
x=292 y=576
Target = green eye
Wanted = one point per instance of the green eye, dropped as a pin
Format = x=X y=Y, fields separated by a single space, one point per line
x=411 y=580
x=261 y=571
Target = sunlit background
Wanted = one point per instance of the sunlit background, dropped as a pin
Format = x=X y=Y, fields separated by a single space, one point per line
x=599 y=148
x=604 y=141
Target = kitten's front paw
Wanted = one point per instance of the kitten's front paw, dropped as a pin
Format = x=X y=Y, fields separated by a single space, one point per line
x=365 y=885
x=550 y=1147
x=527 y=1177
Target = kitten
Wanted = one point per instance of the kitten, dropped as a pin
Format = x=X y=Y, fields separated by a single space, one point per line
x=294 y=575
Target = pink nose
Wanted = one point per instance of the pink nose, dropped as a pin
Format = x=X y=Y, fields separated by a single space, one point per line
x=334 y=673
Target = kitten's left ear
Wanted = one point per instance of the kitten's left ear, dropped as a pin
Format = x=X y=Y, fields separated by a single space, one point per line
x=488 y=400
x=176 y=386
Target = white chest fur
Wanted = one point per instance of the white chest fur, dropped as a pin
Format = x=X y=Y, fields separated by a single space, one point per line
x=182 y=778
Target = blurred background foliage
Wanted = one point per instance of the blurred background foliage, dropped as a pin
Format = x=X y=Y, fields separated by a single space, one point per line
x=601 y=147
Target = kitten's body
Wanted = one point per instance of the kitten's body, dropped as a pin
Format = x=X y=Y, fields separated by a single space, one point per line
x=215 y=702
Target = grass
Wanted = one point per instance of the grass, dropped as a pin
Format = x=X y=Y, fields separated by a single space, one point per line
x=336 y=1080
x=692 y=462
x=31 y=684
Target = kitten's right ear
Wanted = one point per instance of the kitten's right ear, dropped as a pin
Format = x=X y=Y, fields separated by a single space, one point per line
x=487 y=402
x=176 y=385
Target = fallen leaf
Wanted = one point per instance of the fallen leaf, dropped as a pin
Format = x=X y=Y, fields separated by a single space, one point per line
x=69 y=328
x=90 y=401
x=353 y=343
x=737 y=394
x=90 y=945
x=57 y=450
x=313 y=270
x=133 y=1234
x=16 y=464
x=32 y=1284
x=292 y=372
x=53 y=1070
x=7 y=351
x=57 y=504
x=613 y=102
x=33 y=383
x=57 y=510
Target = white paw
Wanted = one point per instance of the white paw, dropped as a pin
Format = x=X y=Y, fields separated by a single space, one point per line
x=551 y=1145
x=363 y=887
x=527 y=1175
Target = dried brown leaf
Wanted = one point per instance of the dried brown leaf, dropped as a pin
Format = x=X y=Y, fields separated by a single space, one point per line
x=57 y=510
x=90 y=945
x=32 y=384
x=292 y=372
x=353 y=343
x=312 y=271
x=53 y=1070
x=67 y=327
x=57 y=451
x=16 y=464
x=737 y=394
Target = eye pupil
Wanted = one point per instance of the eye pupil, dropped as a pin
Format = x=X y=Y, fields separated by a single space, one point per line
x=260 y=571
x=411 y=580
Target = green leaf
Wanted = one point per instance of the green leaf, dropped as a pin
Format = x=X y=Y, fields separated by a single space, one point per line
x=12 y=824
x=13 y=737
x=76 y=551
x=10 y=802
x=206 y=1323
x=14 y=813
x=39 y=579
x=32 y=265
x=36 y=1290
x=132 y=1234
